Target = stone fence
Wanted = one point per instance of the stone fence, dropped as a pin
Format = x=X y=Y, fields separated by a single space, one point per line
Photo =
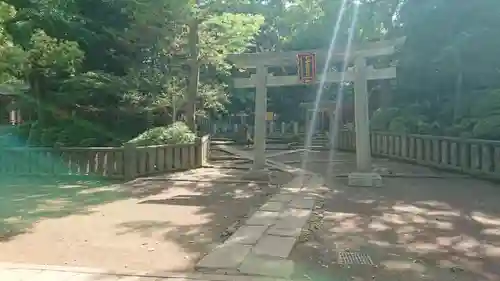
x=127 y=162
x=272 y=129
x=469 y=156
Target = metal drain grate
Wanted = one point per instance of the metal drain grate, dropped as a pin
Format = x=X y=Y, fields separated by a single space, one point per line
x=354 y=258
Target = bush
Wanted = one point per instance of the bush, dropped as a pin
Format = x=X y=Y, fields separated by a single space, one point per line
x=177 y=133
x=461 y=129
x=34 y=134
x=487 y=128
x=382 y=118
x=399 y=125
x=487 y=105
x=49 y=136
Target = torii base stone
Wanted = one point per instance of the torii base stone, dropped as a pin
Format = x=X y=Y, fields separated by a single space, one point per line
x=361 y=179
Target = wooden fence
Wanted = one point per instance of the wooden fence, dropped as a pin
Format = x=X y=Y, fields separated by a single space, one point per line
x=471 y=156
x=126 y=162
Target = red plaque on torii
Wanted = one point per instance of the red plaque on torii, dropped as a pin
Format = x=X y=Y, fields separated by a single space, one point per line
x=306 y=64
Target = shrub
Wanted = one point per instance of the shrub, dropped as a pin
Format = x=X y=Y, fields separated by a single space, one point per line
x=49 y=136
x=487 y=128
x=399 y=125
x=381 y=118
x=34 y=134
x=177 y=133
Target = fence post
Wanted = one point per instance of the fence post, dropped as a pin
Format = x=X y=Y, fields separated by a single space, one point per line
x=198 y=147
x=129 y=161
x=295 y=128
x=202 y=150
x=205 y=149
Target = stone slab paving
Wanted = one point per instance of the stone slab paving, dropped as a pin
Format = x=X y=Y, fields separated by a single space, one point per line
x=263 y=218
x=274 y=246
x=266 y=266
x=248 y=234
x=263 y=243
x=226 y=256
x=272 y=206
x=286 y=232
x=28 y=272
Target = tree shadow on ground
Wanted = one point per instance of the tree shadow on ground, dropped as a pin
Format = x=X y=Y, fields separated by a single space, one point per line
x=413 y=229
x=177 y=217
x=223 y=205
x=27 y=200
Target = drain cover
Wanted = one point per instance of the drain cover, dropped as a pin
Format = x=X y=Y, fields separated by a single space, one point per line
x=354 y=258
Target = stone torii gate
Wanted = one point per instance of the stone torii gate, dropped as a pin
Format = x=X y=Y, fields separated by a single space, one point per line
x=360 y=76
x=325 y=107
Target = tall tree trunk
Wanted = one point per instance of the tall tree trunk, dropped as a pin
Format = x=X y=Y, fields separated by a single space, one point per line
x=194 y=75
x=458 y=102
x=39 y=104
x=385 y=94
x=458 y=110
x=174 y=111
x=34 y=130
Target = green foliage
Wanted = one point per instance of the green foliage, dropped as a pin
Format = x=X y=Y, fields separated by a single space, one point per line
x=49 y=136
x=407 y=120
x=67 y=133
x=399 y=125
x=12 y=57
x=381 y=118
x=102 y=71
x=484 y=119
x=177 y=133
x=227 y=33
x=105 y=63
x=487 y=105
x=74 y=134
x=50 y=56
x=487 y=128
x=463 y=128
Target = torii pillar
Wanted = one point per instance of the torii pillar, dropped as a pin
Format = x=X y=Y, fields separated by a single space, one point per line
x=363 y=175
x=259 y=163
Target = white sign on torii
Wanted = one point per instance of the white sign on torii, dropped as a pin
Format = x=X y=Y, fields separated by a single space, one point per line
x=360 y=75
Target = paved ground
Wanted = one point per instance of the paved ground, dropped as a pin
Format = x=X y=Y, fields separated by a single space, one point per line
x=423 y=225
x=153 y=225
x=26 y=272
x=262 y=244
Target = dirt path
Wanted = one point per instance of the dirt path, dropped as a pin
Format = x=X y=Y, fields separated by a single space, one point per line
x=159 y=224
x=413 y=228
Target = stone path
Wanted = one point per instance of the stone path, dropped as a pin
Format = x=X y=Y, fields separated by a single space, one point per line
x=263 y=243
x=19 y=272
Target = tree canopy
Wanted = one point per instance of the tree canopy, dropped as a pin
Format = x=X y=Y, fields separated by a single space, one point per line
x=96 y=72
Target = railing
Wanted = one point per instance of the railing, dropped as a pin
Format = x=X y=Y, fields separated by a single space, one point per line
x=272 y=128
x=470 y=156
x=126 y=162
